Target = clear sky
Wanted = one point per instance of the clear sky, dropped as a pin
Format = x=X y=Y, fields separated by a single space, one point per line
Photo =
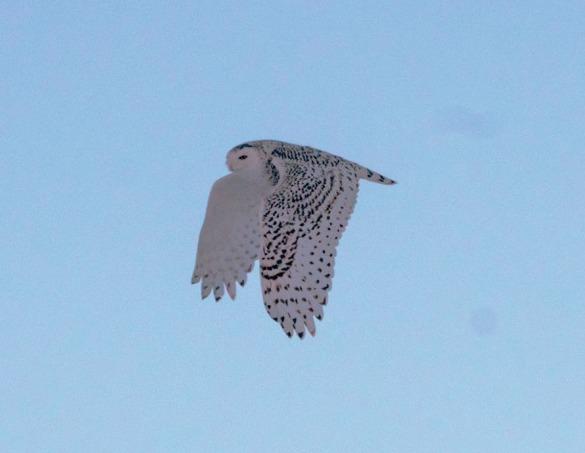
x=457 y=317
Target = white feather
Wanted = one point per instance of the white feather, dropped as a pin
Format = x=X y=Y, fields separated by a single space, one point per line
x=229 y=241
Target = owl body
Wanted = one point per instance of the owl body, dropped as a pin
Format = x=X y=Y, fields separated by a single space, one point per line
x=286 y=205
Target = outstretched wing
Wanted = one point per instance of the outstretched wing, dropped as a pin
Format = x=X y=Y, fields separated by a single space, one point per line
x=229 y=241
x=303 y=221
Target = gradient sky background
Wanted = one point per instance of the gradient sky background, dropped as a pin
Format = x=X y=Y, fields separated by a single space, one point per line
x=457 y=317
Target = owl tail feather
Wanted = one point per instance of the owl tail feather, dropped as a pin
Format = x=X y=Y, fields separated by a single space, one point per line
x=369 y=175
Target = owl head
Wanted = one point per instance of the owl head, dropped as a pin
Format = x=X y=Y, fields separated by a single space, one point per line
x=246 y=156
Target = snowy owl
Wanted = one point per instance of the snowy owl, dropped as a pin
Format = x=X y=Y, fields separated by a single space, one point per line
x=287 y=205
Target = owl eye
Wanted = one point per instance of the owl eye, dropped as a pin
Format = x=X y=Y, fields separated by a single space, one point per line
x=244 y=157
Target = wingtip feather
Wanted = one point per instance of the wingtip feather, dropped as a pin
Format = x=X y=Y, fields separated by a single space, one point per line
x=231 y=289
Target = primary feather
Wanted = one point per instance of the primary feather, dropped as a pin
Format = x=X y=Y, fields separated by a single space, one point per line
x=288 y=205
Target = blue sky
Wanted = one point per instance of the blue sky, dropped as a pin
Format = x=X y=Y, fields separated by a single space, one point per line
x=457 y=317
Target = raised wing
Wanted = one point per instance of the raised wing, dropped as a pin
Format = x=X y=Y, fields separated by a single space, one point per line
x=303 y=221
x=229 y=241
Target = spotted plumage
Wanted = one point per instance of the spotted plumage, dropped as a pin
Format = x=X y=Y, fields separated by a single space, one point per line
x=287 y=205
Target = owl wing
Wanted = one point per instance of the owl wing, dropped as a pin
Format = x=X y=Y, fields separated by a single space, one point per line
x=302 y=223
x=229 y=241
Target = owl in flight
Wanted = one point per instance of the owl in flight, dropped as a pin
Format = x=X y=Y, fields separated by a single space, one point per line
x=287 y=205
